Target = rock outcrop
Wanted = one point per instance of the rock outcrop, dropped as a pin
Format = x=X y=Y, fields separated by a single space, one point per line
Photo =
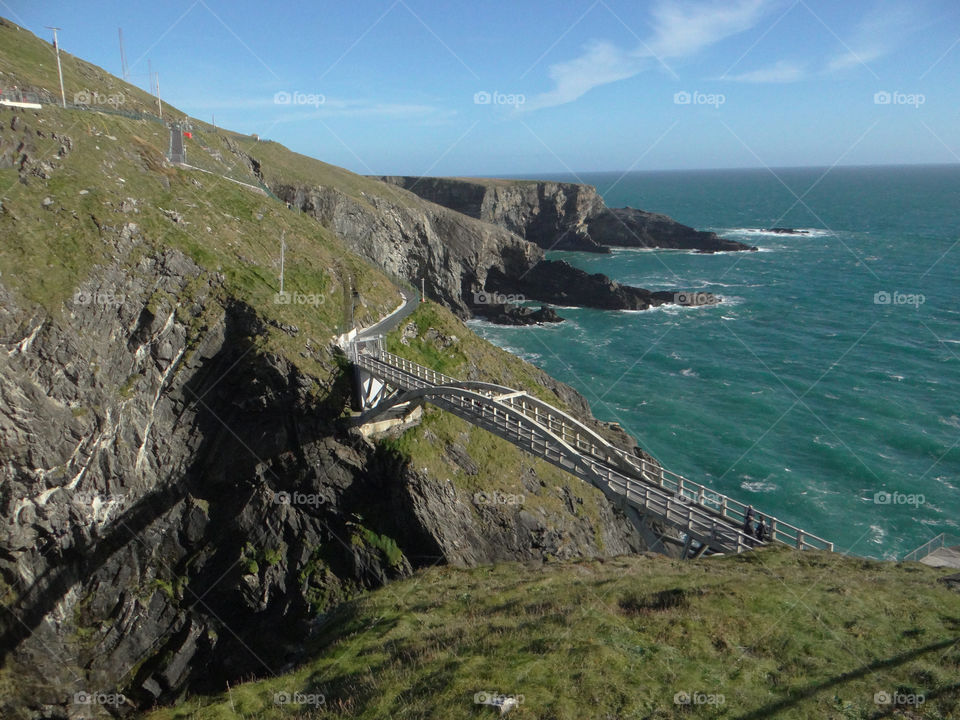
x=458 y=256
x=560 y=283
x=628 y=227
x=561 y=216
x=551 y=215
x=417 y=241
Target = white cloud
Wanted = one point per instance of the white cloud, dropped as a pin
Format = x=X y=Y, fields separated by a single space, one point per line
x=685 y=28
x=602 y=63
x=781 y=72
x=852 y=58
x=679 y=30
x=876 y=35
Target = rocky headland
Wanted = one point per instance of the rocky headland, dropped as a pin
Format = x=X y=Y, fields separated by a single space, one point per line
x=561 y=216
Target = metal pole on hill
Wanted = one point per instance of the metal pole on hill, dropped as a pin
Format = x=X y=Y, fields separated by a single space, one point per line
x=56 y=46
x=159 y=104
x=123 y=57
x=282 y=247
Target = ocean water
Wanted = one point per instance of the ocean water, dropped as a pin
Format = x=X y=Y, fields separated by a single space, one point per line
x=803 y=392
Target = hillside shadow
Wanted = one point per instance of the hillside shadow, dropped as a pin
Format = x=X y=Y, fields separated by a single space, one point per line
x=77 y=564
x=773 y=709
x=210 y=417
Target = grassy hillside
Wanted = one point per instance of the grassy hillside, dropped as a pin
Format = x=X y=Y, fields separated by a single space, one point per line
x=91 y=173
x=771 y=634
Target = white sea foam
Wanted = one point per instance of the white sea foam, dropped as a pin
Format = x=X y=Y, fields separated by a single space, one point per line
x=759 y=486
x=806 y=232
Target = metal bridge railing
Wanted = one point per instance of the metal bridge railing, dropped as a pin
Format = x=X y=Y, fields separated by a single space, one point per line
x=633 y=477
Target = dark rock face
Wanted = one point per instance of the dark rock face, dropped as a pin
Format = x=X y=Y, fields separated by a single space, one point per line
x=560 y=283
x=562 y=216
x=511 y=314
x=786 y=231
x=628 y=227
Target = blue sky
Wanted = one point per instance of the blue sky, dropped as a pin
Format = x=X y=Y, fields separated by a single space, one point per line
x=517 y=87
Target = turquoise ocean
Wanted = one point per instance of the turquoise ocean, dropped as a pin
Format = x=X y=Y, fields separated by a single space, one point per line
x=825 y=388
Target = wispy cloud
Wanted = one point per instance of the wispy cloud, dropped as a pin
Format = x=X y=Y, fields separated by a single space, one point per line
x=679 y=30
x=685 y=29
x=601 y=63
x=876 y=35
x=782 y=72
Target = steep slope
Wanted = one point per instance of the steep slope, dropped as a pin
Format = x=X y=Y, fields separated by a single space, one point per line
x=181 y=494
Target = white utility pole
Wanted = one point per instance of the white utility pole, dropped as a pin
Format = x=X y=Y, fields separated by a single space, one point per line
x=123 y=57
x=56 y=46
x=159 y=104
x=282 y=246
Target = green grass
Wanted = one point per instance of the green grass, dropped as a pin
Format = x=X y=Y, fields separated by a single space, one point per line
x=30 y=63
x=777 y=633
x=467 y=356
x=226 y=229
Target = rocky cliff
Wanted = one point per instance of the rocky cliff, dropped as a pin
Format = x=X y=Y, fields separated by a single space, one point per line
x=561 y=216
x=551 y=215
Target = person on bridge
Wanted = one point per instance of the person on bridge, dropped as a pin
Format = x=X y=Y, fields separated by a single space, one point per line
x=748 y=520
x=761 y=530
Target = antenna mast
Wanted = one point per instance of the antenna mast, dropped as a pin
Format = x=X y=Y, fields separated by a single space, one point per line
x=123 y=58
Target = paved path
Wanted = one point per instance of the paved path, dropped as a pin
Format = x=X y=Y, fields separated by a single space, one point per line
x=410 y=302
x=177 y=152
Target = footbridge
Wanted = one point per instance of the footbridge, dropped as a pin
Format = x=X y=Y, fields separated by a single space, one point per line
x=389 y=386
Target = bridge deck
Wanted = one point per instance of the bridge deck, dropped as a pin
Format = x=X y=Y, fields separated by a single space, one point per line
x=705 y=515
